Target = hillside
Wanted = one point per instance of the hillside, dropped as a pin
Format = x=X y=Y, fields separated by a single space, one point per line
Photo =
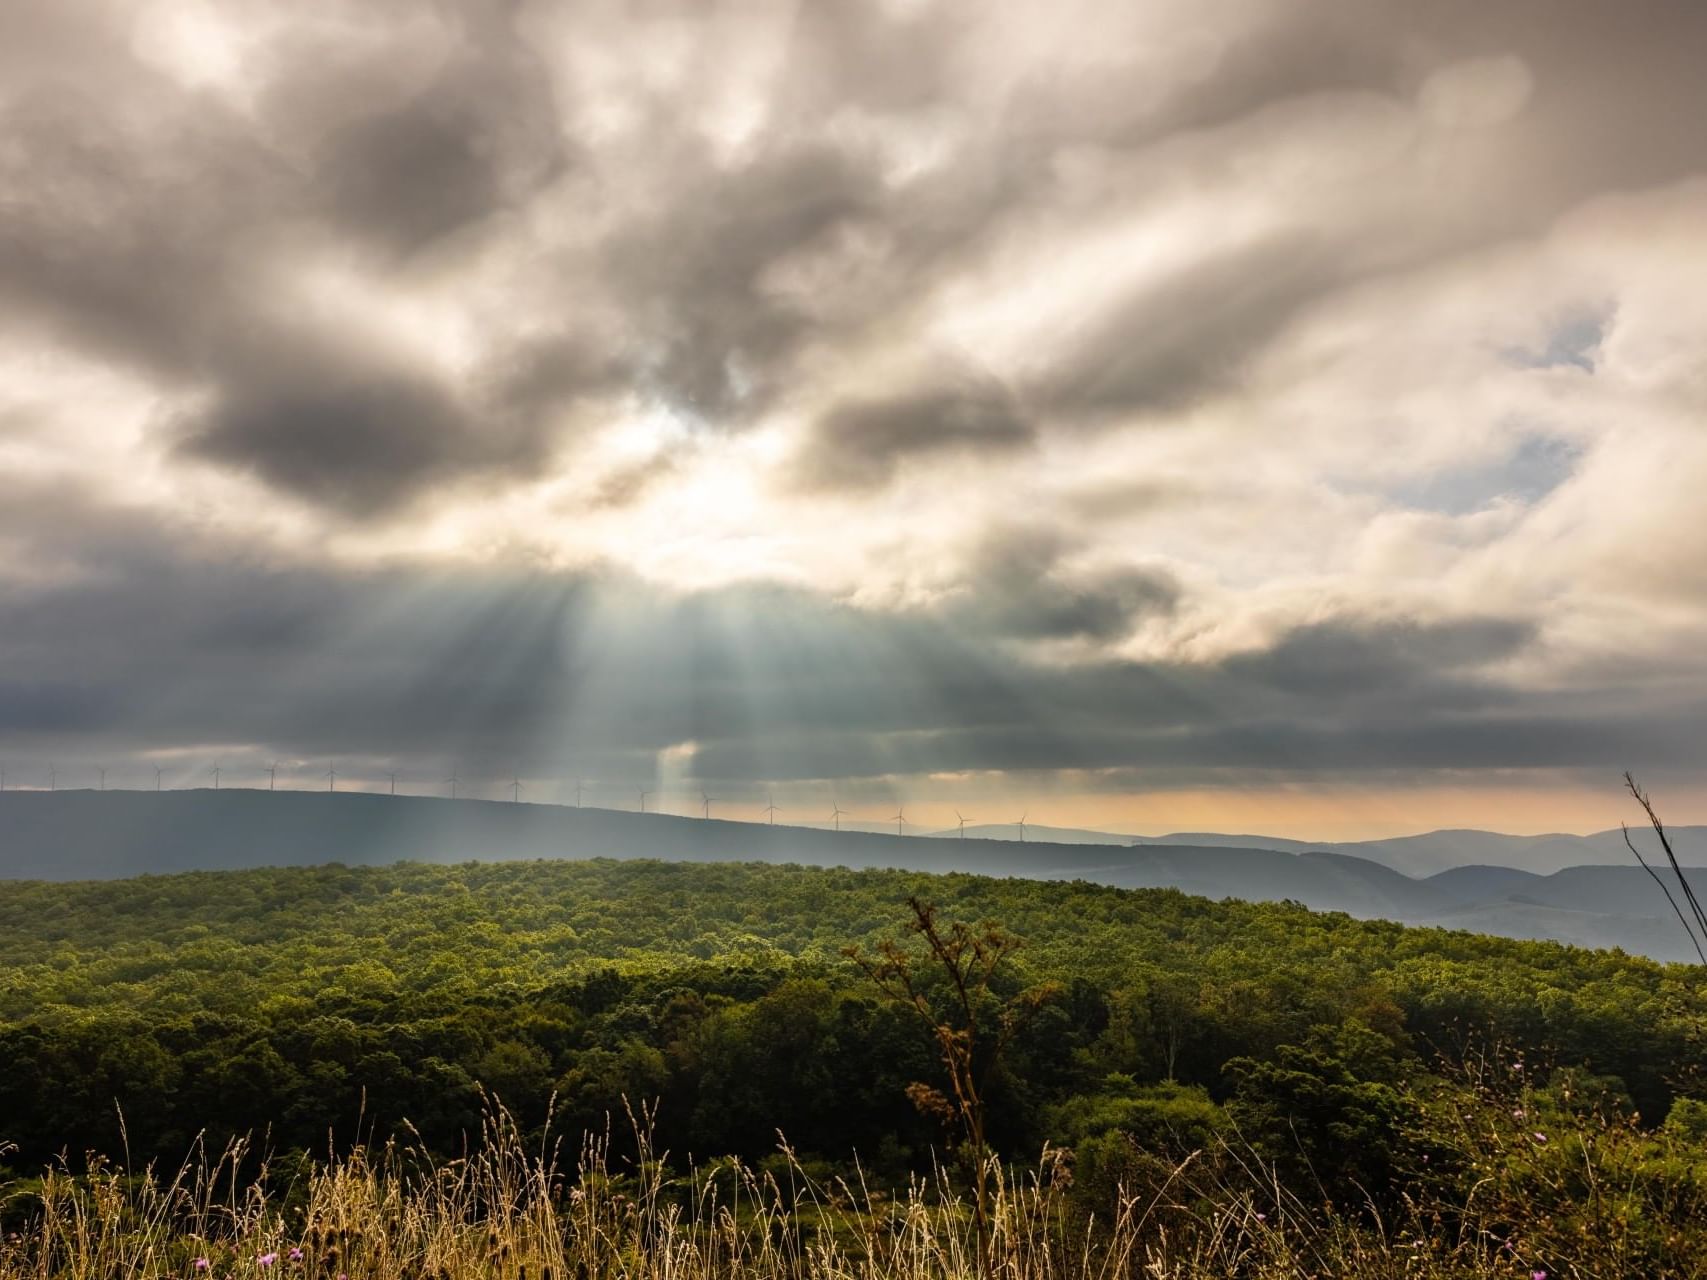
x=1436 y=851
x=76 y=835
x=410 y=969
x=87 y=835
x=1428 y=853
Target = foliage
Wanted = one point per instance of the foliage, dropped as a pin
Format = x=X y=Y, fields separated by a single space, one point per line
x=971 y=1026
x=1195 y=1064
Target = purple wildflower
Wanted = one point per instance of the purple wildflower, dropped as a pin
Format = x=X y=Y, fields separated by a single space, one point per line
x=1539 y=1136
x=1537 y=1275
x=267 y=1259
x=296 y=1255
x=201 y=1264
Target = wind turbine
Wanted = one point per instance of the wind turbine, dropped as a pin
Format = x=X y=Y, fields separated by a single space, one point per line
x=643 y=796
x=836 y=812
x=705 y=806
x=157 y=772
x=770 y=808
x=452 y=781
x=331 y=779
x=515 y=790
x=2 y=778
x=393 y=778
x=273 y=776
x=216 y=777
x=962 y=818
x=577 y=793
x=900 y=819
x=52 y=778
x=103 y=774
x=1022 y=818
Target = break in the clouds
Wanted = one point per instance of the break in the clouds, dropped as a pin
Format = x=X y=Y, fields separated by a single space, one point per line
x=901 y=398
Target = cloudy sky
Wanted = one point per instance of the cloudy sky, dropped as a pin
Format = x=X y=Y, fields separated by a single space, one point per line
x=1229 y=414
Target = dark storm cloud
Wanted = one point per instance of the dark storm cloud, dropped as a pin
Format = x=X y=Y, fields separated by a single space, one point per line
x=143 y=215
x=1609 y=86
x=859 y=443
x=119 y=248
x=154 y=641
x=705 y=334
x=480 y=138
x=149 y=245
x=1016 y=587
x=176 y=230
x=1188 y=336
x=1348 y=659
x=358 y=431
x=173 y=643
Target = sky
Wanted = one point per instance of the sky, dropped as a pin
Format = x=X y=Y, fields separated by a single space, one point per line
x=1174 y=415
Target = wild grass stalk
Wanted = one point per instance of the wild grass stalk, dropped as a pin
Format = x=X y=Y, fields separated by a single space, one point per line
x=1585 y=1209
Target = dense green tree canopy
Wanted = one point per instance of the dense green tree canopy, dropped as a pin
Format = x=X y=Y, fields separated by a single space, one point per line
x=306 y=1002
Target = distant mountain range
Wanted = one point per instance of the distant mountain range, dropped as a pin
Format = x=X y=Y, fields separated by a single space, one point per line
x=70 y=835
x=1420 y=855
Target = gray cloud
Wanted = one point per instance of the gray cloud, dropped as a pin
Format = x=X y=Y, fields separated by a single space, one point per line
x=1355 y=659
x=170 y=643
x=701 y=329
x=859 y=443
x=1187 y=337
x=480 y=138
x=1016 y=587
x=138 y=233
x=382 y=258
x=154 y=248
x=359 y=431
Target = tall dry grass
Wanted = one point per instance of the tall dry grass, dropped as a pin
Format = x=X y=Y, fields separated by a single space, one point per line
x=508 y=1211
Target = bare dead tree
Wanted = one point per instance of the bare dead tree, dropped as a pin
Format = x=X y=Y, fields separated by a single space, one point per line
x=968 y=957
x=1695 y=922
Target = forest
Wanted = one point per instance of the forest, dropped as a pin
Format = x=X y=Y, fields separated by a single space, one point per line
x=1360 y=1064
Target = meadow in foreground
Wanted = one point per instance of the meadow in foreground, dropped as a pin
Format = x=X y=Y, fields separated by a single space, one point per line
x=1511 y=1181
x=1151 y=1085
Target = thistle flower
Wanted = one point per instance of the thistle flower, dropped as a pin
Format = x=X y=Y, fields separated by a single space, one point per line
x=267 y=1259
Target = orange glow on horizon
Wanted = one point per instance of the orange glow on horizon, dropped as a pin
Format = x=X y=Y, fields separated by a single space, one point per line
x=1341 y=814
x=1373 y=815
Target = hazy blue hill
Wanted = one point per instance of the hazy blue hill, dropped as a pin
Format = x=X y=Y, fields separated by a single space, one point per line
x=1435 y=851
x=1036 y=833
x=1611 y=889
x=1661 y=938
x=1439 y=850
x=1213 y=839
x=1419 y=855
x=90 y=835
x=1483 y=884
x=77 y=835
x=1327 y=881
x=1351 y=870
